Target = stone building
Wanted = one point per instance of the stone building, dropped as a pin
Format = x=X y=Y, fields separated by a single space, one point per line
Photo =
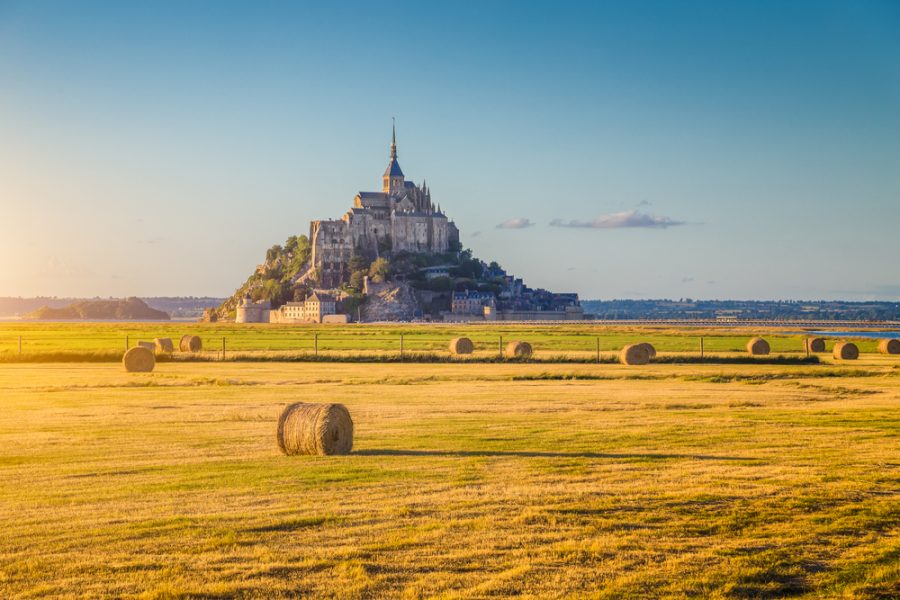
x=319 y=305
x=471 y=302
x=315 y=309
x=252 y=312
x=401 y=217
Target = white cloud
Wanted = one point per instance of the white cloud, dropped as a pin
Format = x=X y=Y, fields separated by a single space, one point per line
x=629 y=218
x=520 y=223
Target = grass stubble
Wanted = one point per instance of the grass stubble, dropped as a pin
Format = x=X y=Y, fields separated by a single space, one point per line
x=100 y=342
x=466 y=480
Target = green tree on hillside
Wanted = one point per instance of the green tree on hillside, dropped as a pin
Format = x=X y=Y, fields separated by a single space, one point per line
x=274 y=252
x=358 y=262
x=301 y=252
x=379 y=270
x=357 y=279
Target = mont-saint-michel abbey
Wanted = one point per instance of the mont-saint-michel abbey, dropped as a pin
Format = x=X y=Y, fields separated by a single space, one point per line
x=394 y=256
x=400 y=218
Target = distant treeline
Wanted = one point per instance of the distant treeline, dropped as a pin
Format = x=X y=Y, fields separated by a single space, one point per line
x=742 y=309
x=187 y=306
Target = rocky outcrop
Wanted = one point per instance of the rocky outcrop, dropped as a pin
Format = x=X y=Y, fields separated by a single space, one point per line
x=389 y=301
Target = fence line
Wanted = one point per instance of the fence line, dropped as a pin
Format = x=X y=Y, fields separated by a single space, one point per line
x=406 y=342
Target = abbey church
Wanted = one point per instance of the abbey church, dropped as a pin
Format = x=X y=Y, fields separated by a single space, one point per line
x=401 y=217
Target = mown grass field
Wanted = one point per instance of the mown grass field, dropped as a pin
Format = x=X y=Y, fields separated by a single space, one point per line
x=467 y=480
x=574 y=340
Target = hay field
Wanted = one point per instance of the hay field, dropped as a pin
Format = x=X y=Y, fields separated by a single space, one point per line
x=467 y=480
x=56 y=342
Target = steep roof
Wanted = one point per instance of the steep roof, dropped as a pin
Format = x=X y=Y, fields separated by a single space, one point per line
x=472 y=295
x=372 y=196
x=393 y=169
x=318 y=297
x=374 y=199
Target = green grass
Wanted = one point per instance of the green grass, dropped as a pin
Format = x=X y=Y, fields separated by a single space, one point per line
x=467 y=480
x=382 y=357
x=572 y=340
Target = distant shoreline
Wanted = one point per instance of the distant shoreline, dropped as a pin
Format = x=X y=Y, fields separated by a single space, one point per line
x=33 y=320
x=811 y=327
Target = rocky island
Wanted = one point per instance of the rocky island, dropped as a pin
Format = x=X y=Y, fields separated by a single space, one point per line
x=114 y=309
x=394 y=256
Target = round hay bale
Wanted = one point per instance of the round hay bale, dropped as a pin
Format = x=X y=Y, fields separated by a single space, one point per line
x=651 y=351
x=164 y=345
x=815 y=344
x=139 y=360
x=889 y=346
x=846 y=351
x=634 y=354
x=190 y=343
x=518 y=350
x=758 y=347
x=151 y=346
x=461 y=345
x=315 y=429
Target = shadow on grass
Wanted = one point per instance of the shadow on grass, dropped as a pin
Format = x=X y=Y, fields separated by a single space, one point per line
x=540 y=454
x=737 y=360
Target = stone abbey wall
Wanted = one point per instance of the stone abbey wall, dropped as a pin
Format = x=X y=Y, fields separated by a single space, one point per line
x=419 y=233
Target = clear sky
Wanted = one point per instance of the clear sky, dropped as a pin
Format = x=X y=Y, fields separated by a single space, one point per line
x=618 y=149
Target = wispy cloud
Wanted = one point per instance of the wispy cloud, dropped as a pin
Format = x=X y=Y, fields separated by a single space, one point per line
x=620 y=220
x=475 y=234
x=516 y=224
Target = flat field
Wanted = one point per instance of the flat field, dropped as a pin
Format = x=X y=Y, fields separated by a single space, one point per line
x=106 y=341
x=466 y=480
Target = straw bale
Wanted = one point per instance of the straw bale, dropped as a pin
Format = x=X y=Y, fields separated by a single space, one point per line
x=758 y=347
x=139 y=360
x=518 y=350
x=846 y=351
x=815 y=344
x=890 y=346
x=190 y=343
x=461 y=345
x=634 y=354
x=315 y=429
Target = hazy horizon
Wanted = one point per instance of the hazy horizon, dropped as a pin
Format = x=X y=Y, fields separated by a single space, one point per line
x=631 y=150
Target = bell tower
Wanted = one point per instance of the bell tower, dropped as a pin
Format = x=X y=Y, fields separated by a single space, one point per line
x=392 y=182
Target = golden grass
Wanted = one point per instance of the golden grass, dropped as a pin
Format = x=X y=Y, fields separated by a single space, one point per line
x=466 y=480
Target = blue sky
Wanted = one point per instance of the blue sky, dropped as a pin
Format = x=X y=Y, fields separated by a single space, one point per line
x=627 y=149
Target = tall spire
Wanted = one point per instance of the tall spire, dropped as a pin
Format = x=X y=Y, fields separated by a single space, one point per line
x=393 y=138
x=393 y=175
